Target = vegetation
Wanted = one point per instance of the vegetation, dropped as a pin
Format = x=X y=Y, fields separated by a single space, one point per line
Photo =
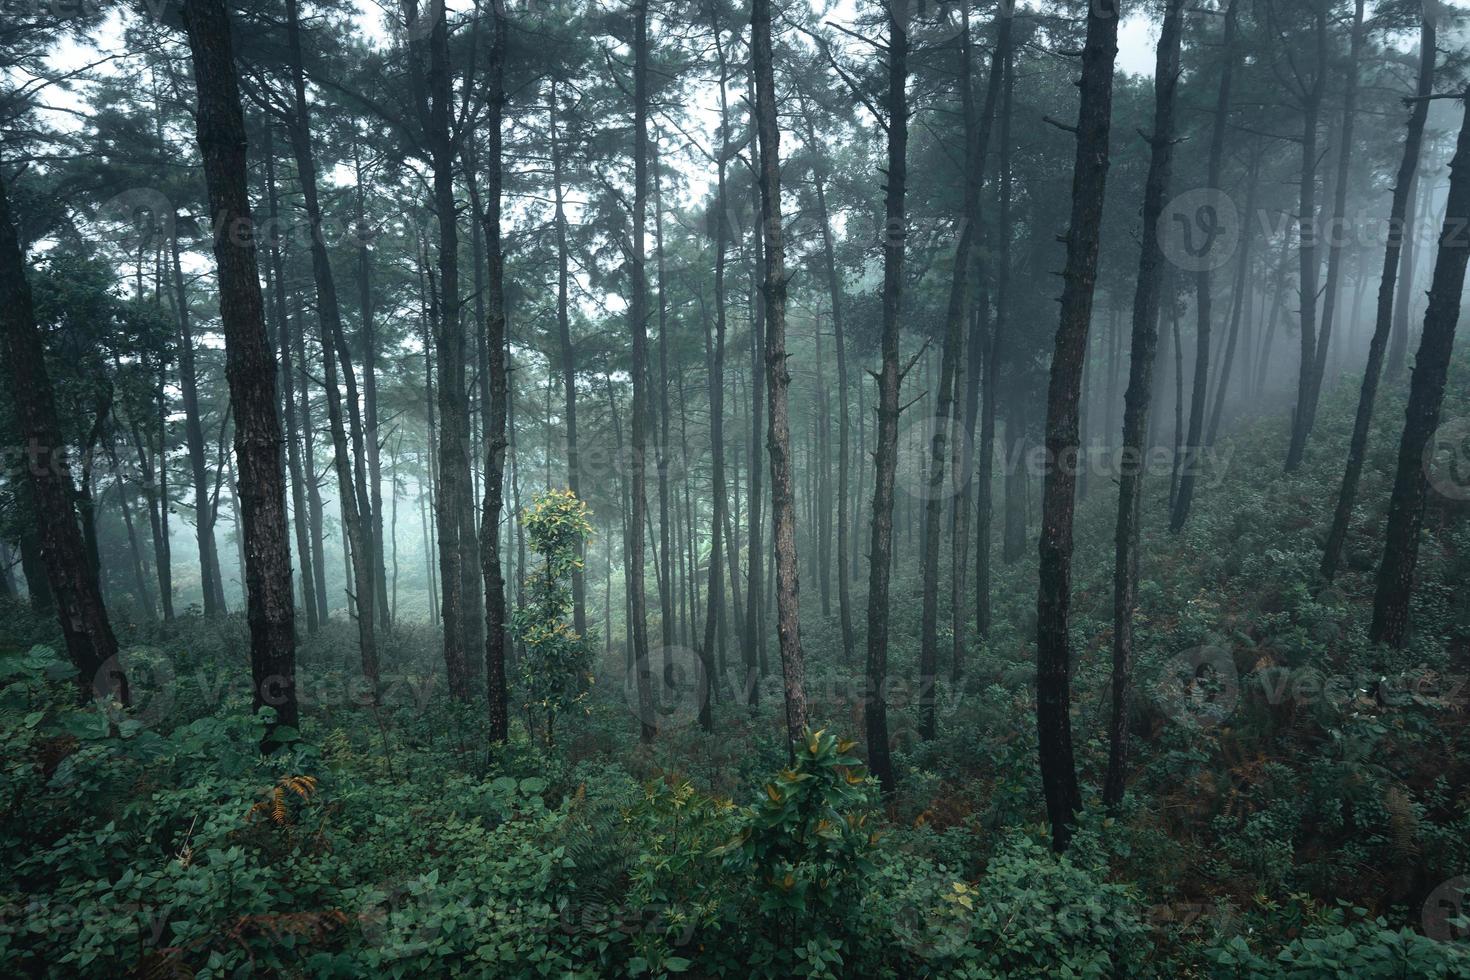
x=588 y=489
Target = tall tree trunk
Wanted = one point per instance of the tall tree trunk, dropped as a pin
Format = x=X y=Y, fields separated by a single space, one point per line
x=449 y=348
x=890 y=380
x=155 y=490
x=1237 y=309
x=352 y=494
x=315 y=513
x=1337 y=235
x=752 y=630
x=288 y=382
x=715 y=355
x=1302 y=415
x=369 y=339
x=1383 y=319
x=844 y=423
x=1053 y=648
x=209 y=574
x=666 y=595
x=1426 y=395
x=495 y=347
x=1398 y=343
x=778 y=378
x=1013 y=544
x=250 y=367
x=70 y=579
x=568 y=352
x=141 y=591
x=957 y=320
x=1203 y=283
x=638 y=324
x=1139 y=396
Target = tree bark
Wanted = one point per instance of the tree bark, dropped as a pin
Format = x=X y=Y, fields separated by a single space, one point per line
x=1426 y=396
x=1138 y=397
x=1053 y=648
x=1203 y=282
x=249 y=366
x=288 y=381
x=890 y=380
x=352 y=495
x=495 y=346
x=638 y=325
x=449 y=348
x=209 y=573
x=568 y=352
x=1303 y=414
x=1383 y=319
x=1337 y=237
x=778 y=378
x=70 y=579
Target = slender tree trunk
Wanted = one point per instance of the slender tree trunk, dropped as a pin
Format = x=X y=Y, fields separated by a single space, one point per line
x=1383 y=320
x=449 y=348
x=352 y=497
x=369 y=338
x=495 y=346
x=250 y=367
x=209 y=574
x=1138 y=397
x=638 y=324
x=1426 y=396
x=890 y=380
x=715 y=354
x=1222 y=384
x=1203 y=283
x=1336 y=233
x=568 y=352
x=288 y=381
x=1053 y=647
x=844 y=423
x=778 y=378
x=1398 y=343
x=1303 y=414
x=70 y=579
x=753 y=629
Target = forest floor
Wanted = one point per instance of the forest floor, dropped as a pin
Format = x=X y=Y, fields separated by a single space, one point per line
x=1299 y=803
